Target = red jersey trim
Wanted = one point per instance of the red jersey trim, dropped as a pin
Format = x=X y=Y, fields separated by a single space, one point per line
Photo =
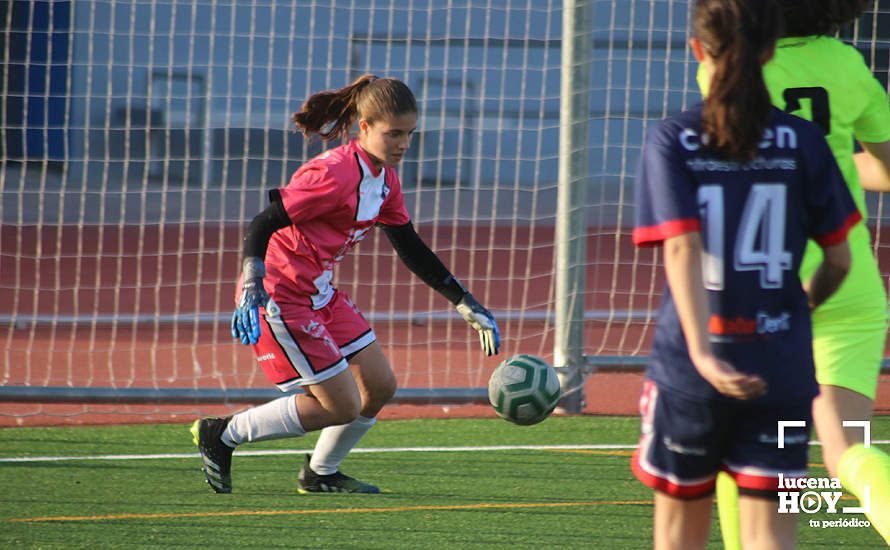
x=690 y=491
x=757 y=482
x=652 y=235
x=839 y=235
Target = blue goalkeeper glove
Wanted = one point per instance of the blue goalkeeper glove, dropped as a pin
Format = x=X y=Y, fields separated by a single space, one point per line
x=482 y=320
x=246 y=319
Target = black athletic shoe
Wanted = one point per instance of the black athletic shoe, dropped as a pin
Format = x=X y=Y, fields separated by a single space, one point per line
x=310 y=482
x=217 y=456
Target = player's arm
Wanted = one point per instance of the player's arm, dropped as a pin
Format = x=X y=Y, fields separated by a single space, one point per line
x=873 y=165
x=424 y=263
x=246 y=319
x=682 y=264
x=830 y=273
x=832 y=212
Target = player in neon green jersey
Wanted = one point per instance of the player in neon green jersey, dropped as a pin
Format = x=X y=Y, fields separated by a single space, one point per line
x=826 y=81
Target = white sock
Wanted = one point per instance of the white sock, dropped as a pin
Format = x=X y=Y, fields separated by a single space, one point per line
x=272 y=420
x=335 y=442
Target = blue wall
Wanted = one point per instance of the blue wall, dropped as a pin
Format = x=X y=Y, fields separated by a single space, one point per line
x=36 y=94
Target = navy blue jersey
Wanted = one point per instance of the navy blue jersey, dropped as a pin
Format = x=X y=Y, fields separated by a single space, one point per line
x=755 y=218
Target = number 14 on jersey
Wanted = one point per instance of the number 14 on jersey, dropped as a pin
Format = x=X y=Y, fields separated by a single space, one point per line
x=759 y=239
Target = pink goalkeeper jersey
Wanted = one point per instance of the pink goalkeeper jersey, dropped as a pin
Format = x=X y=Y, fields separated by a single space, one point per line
x=333 y=201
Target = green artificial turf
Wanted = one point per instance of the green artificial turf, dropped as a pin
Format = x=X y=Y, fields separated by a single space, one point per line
x=476 y=497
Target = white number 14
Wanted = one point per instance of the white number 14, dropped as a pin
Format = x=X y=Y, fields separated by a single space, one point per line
x=759 y=241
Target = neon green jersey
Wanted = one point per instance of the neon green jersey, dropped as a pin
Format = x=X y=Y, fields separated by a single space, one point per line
x=826 y=81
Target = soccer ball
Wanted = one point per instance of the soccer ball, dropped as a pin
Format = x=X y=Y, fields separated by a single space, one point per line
x=524 y=389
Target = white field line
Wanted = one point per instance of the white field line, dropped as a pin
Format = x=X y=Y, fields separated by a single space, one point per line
x=273 y=452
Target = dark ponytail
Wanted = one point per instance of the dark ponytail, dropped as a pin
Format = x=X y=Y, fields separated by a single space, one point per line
x=738 y=35
x=807 y=17
x=331 y=113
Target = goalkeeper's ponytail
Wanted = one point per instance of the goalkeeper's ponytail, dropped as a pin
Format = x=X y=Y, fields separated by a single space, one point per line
x=331 y=113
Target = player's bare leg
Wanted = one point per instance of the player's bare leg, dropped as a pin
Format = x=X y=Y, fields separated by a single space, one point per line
x=763 y=528
x=376 y=385
x=864 y=471
x=375 y=378
x=334 y=401
x=834 y=405
x=681 y=524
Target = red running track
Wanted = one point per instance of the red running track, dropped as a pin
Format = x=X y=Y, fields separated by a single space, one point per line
x=186 y=270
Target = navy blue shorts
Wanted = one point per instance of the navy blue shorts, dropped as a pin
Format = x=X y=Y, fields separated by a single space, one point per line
x=685 y=442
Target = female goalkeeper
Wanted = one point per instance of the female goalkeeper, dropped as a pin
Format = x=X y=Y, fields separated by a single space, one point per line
x=818 y=77
x=306 y=333
x=732 y=189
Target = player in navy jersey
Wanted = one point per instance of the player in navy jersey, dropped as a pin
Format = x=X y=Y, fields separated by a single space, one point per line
x=306 y=333
x=818 y=77
x=732 y=189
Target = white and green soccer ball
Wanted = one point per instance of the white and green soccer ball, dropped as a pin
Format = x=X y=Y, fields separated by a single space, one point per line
x=524 y=389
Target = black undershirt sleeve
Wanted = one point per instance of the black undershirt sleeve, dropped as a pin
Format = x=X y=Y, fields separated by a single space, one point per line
x=423 y=262
x=264 y=224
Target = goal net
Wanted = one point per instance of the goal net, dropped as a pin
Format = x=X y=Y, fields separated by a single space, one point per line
x=140 y=137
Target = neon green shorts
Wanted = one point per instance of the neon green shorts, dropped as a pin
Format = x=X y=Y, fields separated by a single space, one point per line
x=848 y=352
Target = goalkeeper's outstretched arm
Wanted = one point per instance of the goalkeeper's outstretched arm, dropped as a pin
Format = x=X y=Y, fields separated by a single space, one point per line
x=424 y=263
x=246 y=319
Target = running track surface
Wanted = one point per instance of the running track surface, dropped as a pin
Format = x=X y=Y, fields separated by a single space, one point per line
x=185 y=270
